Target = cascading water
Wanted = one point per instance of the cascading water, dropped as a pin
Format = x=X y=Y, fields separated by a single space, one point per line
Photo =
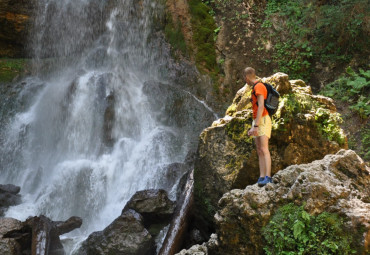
x=100 y=124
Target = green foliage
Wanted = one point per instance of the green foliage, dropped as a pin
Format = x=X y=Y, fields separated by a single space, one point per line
x=328 y=124
x=353 y=88
x=313 y=31
x=10 y=68
x=204 y=30
x=291 y=105
x=292 y=231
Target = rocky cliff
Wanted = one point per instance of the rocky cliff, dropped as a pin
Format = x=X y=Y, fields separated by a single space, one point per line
x=335 y=188
x=305 y=128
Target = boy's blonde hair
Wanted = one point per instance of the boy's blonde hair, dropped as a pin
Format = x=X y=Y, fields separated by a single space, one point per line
x=249 y=71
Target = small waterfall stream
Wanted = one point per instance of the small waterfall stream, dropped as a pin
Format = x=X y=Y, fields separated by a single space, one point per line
x=97 y=125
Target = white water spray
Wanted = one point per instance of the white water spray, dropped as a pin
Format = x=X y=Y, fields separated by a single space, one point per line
x=89 y=136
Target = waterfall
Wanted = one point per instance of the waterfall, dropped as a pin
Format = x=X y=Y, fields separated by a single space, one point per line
x=97 y=120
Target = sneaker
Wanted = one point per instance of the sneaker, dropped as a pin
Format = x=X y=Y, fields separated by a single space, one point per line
x=260 y=180
x=267 y=179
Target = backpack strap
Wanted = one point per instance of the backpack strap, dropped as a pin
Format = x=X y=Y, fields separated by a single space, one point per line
x=254 y=92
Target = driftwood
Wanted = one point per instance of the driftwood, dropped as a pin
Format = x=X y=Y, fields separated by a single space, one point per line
x=179 y=225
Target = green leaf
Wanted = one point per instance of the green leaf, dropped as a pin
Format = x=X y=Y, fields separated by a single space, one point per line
x=305 y=216
x=298 y=228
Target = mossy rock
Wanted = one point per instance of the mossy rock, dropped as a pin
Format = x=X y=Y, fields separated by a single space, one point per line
x=11 y=68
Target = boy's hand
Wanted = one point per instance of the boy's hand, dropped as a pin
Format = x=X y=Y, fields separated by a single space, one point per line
x=253 y=131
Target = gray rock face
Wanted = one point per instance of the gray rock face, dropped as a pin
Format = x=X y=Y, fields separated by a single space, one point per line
x=338 y=183
x=125 y=235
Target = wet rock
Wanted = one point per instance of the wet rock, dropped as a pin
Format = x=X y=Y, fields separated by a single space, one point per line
x=109 y=116
x=227 y=158
x=172 y=174
x=37 y=235
x=134 y=231
x=125 y=235
x=338 y=183
x=9 y=188
x=67 y=226
x=153 y=204
x=8 y=197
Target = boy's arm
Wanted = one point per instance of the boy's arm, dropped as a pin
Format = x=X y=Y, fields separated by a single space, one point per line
x=261 y=107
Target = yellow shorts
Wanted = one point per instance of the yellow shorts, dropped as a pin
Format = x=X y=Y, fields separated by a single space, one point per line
x=265 y=126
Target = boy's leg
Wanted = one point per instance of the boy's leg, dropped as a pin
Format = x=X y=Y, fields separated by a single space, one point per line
x=261 y=159
x=264 y=148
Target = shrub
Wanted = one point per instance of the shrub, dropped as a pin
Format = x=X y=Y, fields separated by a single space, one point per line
x=293 y=231
x=353 y=88
x=315 y=31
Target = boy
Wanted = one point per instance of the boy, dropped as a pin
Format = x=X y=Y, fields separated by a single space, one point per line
x=261 y=126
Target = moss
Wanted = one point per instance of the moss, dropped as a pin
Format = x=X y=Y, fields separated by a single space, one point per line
x=293 y=106
x=238 y=128
x=233 y=163
x=11 y=68
x=204 y=27
x=174 y=35
x=231 y=110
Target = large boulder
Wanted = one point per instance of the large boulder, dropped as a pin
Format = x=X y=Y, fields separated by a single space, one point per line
x=125 y=235
x=305 y=128
x=338 y=184
x=8 y=197
x=153 y=204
